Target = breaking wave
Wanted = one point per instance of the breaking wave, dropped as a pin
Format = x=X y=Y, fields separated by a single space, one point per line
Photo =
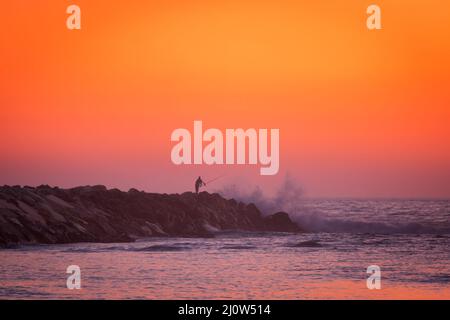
x=289 y=198
x=313 y=223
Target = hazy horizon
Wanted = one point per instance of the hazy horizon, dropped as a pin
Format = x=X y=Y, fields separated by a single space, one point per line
x=361 y=113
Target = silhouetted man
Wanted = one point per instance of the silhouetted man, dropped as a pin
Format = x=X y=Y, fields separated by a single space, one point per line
x=198 y=183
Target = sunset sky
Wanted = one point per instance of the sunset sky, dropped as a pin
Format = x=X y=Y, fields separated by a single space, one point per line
x=361 y=113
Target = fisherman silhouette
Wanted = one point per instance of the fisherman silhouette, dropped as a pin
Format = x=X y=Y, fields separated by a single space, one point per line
x=199 y=183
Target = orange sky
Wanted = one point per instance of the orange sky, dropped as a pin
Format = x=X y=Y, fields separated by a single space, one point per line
x=361 y=113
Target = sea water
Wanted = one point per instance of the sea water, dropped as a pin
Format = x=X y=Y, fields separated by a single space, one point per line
x=408 y=239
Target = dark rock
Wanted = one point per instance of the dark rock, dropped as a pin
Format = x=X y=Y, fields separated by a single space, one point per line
x=95 y=214
x=307 y=244
x=281 y=221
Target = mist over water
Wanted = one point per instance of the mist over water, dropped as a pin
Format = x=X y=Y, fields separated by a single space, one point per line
x=288 y=197
x=381 y=216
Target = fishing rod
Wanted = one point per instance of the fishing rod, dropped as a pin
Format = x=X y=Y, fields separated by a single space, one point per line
x=216 y=178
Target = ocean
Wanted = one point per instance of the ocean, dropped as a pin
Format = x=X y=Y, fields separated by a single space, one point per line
x=408 y=239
